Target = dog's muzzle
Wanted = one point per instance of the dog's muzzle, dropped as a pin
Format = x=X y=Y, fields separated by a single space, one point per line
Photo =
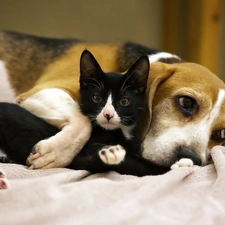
x=184 y=152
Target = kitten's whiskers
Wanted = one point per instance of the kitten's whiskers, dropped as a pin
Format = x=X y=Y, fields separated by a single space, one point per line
x=91 y=117
x=122 y=87
x=126 y=119
x=99 y=85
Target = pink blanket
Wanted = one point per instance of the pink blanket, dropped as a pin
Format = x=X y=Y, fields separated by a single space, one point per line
x=63 y=196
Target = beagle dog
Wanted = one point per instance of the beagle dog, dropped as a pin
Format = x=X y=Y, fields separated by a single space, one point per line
x=186 y=104
x=183 y=116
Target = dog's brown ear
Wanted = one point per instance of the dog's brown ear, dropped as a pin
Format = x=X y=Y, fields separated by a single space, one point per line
x=159 y=72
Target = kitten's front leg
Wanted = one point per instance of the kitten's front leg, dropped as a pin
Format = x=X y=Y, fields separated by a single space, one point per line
x=59 y=109
x=112 y=155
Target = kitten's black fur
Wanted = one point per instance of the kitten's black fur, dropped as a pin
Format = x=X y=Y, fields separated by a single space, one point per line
x=21 y=130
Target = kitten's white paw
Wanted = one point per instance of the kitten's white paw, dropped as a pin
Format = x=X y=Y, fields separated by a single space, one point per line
x=112 y=154
x=185 y=162
x=4 y=184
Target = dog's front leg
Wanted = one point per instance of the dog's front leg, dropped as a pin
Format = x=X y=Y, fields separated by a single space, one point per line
x=59 y=109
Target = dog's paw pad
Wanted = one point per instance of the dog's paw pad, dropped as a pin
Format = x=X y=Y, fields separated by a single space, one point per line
x=185 y=162
x=112 y=154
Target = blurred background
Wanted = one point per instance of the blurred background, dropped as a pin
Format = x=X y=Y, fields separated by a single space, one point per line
x=192 y=29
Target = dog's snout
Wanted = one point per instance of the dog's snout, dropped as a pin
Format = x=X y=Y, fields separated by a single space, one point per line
x=184 y=152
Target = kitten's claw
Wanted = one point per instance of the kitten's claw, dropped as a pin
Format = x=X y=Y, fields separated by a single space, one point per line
x=112 y=154
x=184 y=162
x=4 y=184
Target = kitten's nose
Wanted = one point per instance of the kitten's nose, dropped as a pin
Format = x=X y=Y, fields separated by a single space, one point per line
x=108 y=112
x=108 y=116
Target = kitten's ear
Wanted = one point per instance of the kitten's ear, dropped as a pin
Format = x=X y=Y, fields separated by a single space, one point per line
x=137 y=75
x=89 y=68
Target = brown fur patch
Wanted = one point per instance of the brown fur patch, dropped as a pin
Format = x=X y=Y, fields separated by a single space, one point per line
x=64 y=72
x=32 y=60
x=25 y=58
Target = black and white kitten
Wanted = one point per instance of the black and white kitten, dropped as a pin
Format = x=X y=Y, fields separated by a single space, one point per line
x=111 y=101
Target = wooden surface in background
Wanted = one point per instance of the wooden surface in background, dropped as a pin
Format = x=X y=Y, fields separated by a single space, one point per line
x=192 y=30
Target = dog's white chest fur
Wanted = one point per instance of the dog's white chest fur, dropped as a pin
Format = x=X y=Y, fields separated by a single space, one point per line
x=57 y=108
x=53 y=105
x=7 y=94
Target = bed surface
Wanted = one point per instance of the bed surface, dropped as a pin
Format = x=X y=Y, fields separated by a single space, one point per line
x=63 y=196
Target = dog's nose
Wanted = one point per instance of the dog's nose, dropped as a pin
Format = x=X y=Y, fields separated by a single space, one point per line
x=184 y=152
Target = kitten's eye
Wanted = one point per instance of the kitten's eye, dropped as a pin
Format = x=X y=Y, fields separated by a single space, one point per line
x=187 y=105
x=96 y=98
x=219 y=135
x=124 y=101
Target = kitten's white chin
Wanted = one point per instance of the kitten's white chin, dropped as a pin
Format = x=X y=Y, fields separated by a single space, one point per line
x=109 y=126
x=112 y=124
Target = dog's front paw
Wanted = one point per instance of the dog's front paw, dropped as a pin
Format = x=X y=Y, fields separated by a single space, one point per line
x=46 y=155
x=42 y=156
x=112 y=155
x=185 y=162
x=4 y=184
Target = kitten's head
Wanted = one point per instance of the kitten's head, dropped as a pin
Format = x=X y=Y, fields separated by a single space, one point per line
x=112 y=100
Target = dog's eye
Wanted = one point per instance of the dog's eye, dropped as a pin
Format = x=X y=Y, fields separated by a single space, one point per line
x=187 y=105
x=219 y=135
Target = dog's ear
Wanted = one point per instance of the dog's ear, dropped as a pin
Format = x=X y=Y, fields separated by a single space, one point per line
x=159 y=73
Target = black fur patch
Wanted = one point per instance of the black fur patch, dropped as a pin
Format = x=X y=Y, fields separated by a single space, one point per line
x=53 y=45
x=131 y=52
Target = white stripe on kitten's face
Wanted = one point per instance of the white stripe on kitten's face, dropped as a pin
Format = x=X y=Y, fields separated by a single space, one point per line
x=108 y=117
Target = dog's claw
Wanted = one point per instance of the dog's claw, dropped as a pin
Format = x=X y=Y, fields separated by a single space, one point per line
x=35 y=156
x=31 y=167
